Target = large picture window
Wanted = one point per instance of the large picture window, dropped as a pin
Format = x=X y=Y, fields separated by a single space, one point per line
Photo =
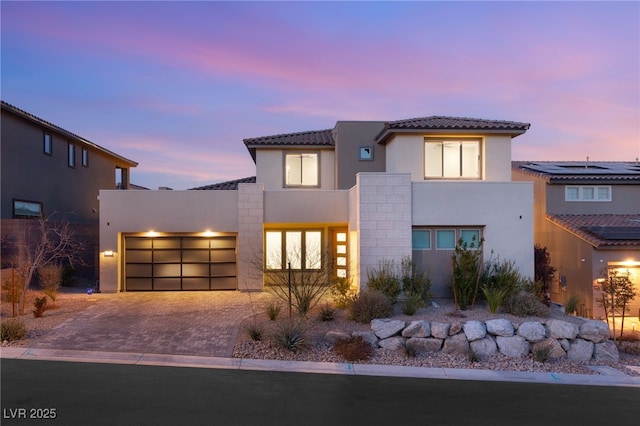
x=453 y=159
x=27 y=209
x=302 y=169
x=296 y=248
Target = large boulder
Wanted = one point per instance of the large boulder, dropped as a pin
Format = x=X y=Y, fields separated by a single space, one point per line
x=595 y=331
x=484 y=348
x=367 y=336
x=440 y=330
x=499 y=327
x=474 y=330
x=335 y=336
x=386 y=327
x=424 y=344
x=392 y=343
x=606 y=351
x=456 y=345
x=417 y=329
x=552 y=345
x=514 y=346
x=455 y=328
x=532 y=331
x=580 y=351
x=559 y=329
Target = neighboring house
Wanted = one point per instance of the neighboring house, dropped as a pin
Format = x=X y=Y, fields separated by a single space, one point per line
x=52 y=173
x=345 y=198
x=587 y=214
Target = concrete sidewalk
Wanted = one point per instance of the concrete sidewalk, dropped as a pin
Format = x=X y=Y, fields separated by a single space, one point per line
x=615 y=378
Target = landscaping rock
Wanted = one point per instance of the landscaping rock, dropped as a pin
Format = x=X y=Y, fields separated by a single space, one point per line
x=606 y=351
x=566 y=345
x=559 y=329
x=474 y=330
x=422 y=344
x=392 y=343
x=456 y=345
x=555 y=348
x=417 y=329
x=595 y=331
x=384 y=328
x=455 y=328
x=499 y=327
x=580 y=351
x=484 y=348
x=440 y=330
x=367 y=336
x=532 y=331
x=514 y=346
x=334 y=336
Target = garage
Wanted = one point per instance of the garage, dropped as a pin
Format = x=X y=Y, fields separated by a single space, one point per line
x=175 y=263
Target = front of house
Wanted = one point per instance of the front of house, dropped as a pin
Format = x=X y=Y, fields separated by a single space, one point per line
x=342 y=198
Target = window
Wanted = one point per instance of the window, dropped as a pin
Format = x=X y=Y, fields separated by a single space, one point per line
x=471 y=237
x=587 y=193
x=85 y=157
x=421 y=239
x=295 y=248
x=452 y=159
x=366 y=153
x=71 y=149
x=445 y=239
x=26 y=209
x=301 y=169
x=47 y=144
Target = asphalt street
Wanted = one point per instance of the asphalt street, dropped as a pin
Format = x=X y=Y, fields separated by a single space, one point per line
x=115 y=394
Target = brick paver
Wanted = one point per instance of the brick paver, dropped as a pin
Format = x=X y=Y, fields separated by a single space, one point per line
x=179 y=323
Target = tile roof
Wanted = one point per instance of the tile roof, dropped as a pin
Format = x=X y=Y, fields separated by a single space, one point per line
x=581 y=171
x=311 y=137
x=37 y=120
x=602 y=230
x=456 y=123
x=230 y=185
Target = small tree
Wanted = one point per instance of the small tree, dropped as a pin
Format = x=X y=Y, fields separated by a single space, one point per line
x=617 y=291
x=544 y=272
x=467 y=269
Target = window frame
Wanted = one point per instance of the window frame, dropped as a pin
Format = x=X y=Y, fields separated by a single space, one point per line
x=283 y=257
x=457 y=235
x=85 y=157
x=582 y=190
x=460 y=140
x=419 y=230
x=455 y=240
x=71 y=155
x=47 y=144
x=285 y=154
x=27 y=216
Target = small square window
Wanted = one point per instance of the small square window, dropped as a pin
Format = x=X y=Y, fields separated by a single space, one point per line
x=366 y=153
x=47 y=144
x=421 y=239
x=471 y=237
x=71 y=149
x=445 y=239
x=85 y=157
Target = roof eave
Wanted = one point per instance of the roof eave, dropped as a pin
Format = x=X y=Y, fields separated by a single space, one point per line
x=386 y=133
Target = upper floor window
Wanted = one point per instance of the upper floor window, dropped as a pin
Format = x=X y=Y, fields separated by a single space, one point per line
x=47 y=144
x=302 y=169
x=452 y=158
x=587 y=193
x=26 y=209
x=85 y=157
x=71 y=149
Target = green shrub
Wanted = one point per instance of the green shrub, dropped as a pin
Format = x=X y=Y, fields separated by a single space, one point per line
x=412 y=304
x=327 y=312
x=495 y=297
x=353 y=349
x=342 y=292
x=414 y=282
x=572 y=305
x=524 y=303
x=40 y=305
x=13 y=290
x=369 y=305
x=255 y=331
x=272 y=308
x=467 y=268
x=502 y=275
x=409 y=350
x=384 y=280
x=541 y=353
x=290 y=335
x=12 y=329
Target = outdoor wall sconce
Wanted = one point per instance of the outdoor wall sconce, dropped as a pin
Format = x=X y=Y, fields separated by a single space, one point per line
x=108 y=253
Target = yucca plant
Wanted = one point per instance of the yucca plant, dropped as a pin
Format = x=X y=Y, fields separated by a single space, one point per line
x=290 y=335
x=495 y=297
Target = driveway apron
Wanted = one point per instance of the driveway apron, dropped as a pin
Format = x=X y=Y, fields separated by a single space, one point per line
x=179 y=323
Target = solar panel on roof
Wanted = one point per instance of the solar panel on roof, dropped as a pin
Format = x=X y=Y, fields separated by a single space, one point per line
x=615 y=232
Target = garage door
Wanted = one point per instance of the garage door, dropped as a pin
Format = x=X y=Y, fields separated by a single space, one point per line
x=180 y=263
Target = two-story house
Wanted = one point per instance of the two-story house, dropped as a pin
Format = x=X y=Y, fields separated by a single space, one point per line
x=587 y=214
x=52 y=173
x=345 y=197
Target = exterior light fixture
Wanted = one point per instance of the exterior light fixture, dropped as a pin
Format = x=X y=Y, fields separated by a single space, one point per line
x=108 y=253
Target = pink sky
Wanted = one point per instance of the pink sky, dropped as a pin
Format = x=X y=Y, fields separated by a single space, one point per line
x=176 y=86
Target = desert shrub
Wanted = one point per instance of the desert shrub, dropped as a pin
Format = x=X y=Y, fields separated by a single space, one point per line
x=272 y=308
x=384 y=279
x=40 y=305
x=342 y=292
x=327 y=312
x=467 y=268
x=255 y=331
x=524 y=303
x=409 y=350
x=369 y=305
x=12 y=329
x=572 y=305
x=290 y=335
x=412 y=304
x=495 y=297
x=353 y=349
x=503 y=275
x=50 y=277
x=542 y=353
x=415 y=282
x=13 y=289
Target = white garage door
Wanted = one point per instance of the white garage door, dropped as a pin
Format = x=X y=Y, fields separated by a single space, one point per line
x=180 y=263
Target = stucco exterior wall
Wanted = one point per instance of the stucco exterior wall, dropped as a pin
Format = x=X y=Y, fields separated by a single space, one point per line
x=270 y=167
x=405 y=154
x=304 y=206
x=496 y=158
x=349 y=137
x=625 y=199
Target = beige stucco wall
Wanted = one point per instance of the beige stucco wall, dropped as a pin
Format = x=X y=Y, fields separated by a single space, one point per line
x=270 y=167
x=305 y=206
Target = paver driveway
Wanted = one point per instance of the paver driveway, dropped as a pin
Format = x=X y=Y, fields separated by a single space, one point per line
x=179 y=323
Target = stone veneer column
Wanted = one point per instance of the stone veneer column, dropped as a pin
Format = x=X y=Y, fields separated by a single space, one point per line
x=250 y=236
x=383 y=219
